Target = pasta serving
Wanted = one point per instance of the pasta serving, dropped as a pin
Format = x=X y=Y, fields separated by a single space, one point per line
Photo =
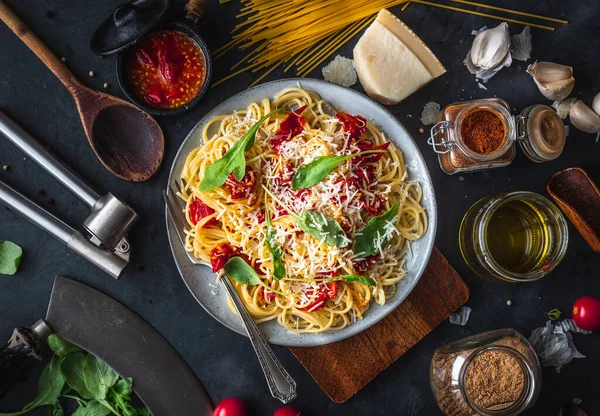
x=320 y=236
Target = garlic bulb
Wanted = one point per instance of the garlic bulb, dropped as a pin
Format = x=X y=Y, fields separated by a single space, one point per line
x=596 y=104
x=490 y=47
x=584 y=118
x=555 y=81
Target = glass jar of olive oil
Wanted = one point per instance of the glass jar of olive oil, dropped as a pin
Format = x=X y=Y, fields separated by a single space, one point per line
x=513 y=237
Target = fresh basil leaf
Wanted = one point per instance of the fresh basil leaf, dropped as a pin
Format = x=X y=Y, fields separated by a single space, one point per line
x=56 y=410
x=50 y=385
x=72 y=369
x=356 y=278
x=10 y=257
x=93 y=408
x=61 y=346
x=233 y=160
x=276 y=254
x=321 y=227
x=317 y=170
x=375 y=235
x=98 y=376
x=124 y=386
x=240 y=271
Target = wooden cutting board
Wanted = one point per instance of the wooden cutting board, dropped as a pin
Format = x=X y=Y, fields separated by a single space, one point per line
x=440 y=292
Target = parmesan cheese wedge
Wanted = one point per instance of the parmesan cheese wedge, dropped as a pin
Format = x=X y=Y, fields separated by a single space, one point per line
x=392 y=62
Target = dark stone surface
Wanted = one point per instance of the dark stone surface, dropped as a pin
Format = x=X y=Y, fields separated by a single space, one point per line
x=224 y=361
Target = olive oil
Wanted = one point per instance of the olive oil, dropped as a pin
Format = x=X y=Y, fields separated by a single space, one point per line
x=518 y=236
x=513 y=237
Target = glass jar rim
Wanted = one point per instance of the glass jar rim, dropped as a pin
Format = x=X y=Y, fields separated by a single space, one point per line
x=524 y=399
x=507 y=119
x=489 y=261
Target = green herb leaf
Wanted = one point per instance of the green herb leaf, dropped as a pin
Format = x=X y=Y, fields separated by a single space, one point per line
x=276 y=254
x=61 y=346
x=233 y=160
x=317 y=170
x=50 y=385
x=356 y=278
x=321 y=227
x=10 y=257
x=93 y=408
x=274 y=249
x=554 y=314
x=72 y=369
x=375 y=235
x=124 y=386
x=56 y=410
x=98 y=377
x=240 y=271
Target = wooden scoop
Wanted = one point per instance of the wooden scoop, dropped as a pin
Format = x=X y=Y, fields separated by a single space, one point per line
x=128 y=141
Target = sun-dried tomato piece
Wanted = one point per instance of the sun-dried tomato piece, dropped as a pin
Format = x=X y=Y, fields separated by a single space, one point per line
x=168 y=71
x=362 y=265
x=366 y=174
x=374 y=206
x=199 y=210
x=221 y=254
x=355 y=126
x=290 y=127
x=324 y=291
x=261 y=217
x=371 y=157
x=241 y=189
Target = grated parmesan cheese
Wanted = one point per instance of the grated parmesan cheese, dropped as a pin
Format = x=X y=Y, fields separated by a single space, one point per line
x=340 y=71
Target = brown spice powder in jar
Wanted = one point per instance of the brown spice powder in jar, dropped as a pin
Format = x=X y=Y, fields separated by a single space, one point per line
x=482 y=131
x=494 y=380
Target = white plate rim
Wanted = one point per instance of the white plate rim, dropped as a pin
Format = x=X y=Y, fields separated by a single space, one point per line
x=275 y=333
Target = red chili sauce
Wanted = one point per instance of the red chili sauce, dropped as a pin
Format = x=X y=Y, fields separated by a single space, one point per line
x=166 y=69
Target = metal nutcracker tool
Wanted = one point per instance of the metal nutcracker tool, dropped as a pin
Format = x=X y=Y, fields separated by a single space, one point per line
x=103 y=241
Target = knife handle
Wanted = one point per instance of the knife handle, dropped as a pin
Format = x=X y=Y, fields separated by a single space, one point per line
x=281 y=384
x=24 y=347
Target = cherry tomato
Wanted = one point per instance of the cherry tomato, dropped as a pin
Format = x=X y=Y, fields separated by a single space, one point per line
x=231 y=407
x=287 y=411
x=586 y=313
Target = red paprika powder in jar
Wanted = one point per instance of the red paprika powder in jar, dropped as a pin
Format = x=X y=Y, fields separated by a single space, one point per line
x=166 y=69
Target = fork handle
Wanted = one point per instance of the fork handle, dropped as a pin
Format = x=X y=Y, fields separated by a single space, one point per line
x=281 y=384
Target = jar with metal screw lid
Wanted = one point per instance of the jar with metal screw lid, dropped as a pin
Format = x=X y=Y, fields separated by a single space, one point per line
x=495 y=373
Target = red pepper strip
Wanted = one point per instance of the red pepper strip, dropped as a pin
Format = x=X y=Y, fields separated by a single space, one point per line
x=154 y=95
x=241 y=189
x=199 y=210
x=290 y=127
x=354 y=125
x=221 y=254
x=324 y=291
x=146 y=55
x=371 y=157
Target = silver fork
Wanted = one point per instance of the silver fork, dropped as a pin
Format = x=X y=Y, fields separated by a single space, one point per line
x=281 y=384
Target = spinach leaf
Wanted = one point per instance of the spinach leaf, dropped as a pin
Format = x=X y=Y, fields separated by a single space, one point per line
x=274 y=249
x=240 y=271
x=317 y=170
x=124 y=386
x=93 y=408
x=321 y=227
x=98 y=377
x=10 y=257
x=233 y=160
x=72 y=369
x=376 y=234
x=61 y=346
x=50 y=385
x=56 y=410
x=356 y=278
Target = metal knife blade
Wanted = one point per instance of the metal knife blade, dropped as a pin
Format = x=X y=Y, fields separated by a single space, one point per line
x=120 y=338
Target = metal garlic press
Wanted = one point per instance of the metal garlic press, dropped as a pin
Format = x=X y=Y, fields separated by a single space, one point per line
x=103 y=241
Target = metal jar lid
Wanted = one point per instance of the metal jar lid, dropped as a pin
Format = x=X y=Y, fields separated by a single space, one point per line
x=541 y=133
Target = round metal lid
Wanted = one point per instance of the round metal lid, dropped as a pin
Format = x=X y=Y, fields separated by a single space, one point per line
x=127 y=24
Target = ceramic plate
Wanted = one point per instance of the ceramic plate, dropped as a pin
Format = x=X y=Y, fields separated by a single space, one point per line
x=201 y=281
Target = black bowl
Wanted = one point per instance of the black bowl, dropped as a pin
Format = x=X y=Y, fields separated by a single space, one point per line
x=124 y=81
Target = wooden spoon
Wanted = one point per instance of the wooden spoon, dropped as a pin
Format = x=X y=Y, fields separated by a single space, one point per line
x=128 y=141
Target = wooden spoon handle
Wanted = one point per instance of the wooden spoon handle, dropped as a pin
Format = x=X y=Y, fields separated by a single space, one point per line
x=38 y=47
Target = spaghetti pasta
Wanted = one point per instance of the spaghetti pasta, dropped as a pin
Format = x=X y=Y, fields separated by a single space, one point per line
x=310 y=298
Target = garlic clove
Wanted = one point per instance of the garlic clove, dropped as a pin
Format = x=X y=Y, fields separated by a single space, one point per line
x=596 y=104
x=490 y=47
x=584 y=118
x=555 y=81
